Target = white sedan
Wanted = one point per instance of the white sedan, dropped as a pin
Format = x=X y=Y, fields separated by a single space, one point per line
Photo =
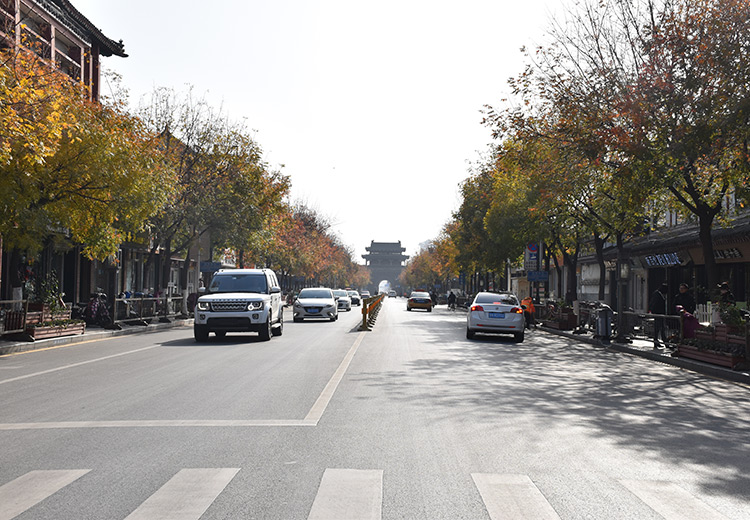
x=315 y=303
x=495 y=313
x=343 y=299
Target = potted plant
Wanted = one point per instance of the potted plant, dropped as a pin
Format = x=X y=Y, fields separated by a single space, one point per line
x=56 y=328
x=47 y=299
x=716 y=352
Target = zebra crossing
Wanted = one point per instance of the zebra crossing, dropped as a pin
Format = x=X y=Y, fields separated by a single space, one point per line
x=343 y=494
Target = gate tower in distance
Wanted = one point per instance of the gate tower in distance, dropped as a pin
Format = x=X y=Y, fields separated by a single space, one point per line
x=385 y=260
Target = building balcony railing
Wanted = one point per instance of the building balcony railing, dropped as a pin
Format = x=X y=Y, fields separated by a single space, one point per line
x=68 y=66
x=33 y=41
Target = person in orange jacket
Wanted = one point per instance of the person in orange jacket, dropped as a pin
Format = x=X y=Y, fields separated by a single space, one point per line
x=528 y=312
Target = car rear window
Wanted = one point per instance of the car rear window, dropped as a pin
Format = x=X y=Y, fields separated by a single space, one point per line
x=504 y=299
x=419 y=295
x=315 y=293
x=223 y=283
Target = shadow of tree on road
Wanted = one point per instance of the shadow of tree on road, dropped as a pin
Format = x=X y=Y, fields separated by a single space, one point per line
x=670 y=413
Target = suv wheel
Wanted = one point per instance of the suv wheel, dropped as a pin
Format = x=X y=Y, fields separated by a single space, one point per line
x=279 y=329
x=265 y=332
x=200 y=333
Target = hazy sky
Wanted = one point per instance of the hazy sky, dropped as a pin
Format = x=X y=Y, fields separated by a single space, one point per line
x=373 y=108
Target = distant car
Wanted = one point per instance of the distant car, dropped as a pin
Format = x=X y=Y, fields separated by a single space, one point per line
x=365 y=294
x=495 y=313
x=342 y=299
x=391 y=294
x=316 y=302
x=419 y=300
x=355 y=296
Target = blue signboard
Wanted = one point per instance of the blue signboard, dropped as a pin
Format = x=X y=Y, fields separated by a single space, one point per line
x=210 y=267
x=537 y=276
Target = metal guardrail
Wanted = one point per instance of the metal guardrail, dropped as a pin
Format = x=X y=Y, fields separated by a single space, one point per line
x=140 y=311
x=370 y=309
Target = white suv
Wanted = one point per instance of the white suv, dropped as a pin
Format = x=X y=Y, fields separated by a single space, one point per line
x=240 y=300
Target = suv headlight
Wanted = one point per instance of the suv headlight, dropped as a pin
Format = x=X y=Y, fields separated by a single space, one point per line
x=204 y=306
x=255 y=306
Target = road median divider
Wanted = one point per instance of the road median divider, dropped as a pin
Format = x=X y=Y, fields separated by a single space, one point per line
x=370 y=309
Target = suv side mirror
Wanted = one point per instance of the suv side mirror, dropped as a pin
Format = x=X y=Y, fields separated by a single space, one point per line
x=201 y=290
x=275 y=290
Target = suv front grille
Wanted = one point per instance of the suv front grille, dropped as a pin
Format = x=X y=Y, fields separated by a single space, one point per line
x=229 y=306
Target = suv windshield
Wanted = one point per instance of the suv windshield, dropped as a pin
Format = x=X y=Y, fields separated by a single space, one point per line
x=315 y=293
x=224 y=283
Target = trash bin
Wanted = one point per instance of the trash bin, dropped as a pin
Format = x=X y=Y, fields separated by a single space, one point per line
x=604 y=322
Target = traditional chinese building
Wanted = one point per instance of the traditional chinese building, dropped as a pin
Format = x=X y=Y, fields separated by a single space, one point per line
x=59 y=33
x=66 y=40
x=385 y=260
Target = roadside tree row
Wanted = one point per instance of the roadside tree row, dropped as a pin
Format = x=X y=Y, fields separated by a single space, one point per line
x=96 y=175
x=634 y=108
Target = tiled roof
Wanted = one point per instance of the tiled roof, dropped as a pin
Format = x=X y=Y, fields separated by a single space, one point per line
x=107 y=47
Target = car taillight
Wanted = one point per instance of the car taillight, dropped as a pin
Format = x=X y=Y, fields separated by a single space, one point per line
x=478 y=308
x=517 y=310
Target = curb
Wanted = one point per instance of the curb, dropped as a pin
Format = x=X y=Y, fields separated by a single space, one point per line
x=687 y=364
x=12 y=347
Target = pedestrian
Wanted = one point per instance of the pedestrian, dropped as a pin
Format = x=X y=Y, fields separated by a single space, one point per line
x=528 y=311
x=658 y=306
x=685 y=299
x=725 y=294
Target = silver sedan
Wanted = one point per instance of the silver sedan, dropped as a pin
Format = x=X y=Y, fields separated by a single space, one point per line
x=343 y=299
x=495 y=313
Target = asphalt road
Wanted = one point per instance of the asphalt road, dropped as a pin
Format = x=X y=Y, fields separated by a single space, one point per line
x=409 y=421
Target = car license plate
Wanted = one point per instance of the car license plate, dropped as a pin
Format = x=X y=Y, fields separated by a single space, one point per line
x=497 y=315
x=313 y=311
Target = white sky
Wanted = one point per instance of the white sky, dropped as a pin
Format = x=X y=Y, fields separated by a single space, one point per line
x=373 y=108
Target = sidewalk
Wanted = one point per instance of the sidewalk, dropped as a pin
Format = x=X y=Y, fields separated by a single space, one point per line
x=14 y=345
x=645 y=349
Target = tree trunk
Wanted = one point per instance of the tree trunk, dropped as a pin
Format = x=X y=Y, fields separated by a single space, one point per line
x=705 y=222
x=16 y=283
x=599 y=246
x=166 y=272
x=571 y=263
x=620 y=289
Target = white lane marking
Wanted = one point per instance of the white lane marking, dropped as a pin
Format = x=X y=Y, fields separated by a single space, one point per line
x=73 y=365
x=512 y=496
x=186 y=496
x=349 y=494
x=208 y=423
x=317 y=410
x=28 y=490
x=671 y=501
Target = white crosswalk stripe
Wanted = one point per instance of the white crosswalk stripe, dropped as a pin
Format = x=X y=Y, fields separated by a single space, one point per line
x=28 y=490
x=186 y=496
x=512 y=496
x=349 y=494
x=671 y=501
x=343 y=494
